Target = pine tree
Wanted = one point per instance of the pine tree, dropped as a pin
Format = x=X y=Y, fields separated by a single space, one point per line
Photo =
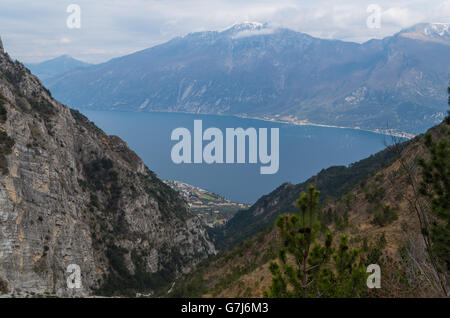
x=309 y=268
x=435 y=187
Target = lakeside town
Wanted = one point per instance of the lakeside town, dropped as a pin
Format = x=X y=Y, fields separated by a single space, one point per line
x=213 y=209
x=292 y=120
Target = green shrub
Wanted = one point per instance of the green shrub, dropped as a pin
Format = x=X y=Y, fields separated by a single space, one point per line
x=373 y=252
x=6 y=144
x=319 y=269
x=3 y=113
x=3 y=286
x=385 y=217
x=120 y=282
x=374 y=193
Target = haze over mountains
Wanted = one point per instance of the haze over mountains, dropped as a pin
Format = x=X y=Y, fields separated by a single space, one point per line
x=254 y=70
x=56 y=66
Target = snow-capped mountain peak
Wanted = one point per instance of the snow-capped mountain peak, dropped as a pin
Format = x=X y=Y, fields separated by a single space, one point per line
x=436 y=32
x=442 y=29
x=246 y=29
x=245 y=26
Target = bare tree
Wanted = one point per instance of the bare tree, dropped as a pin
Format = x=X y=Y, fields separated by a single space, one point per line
x=408 y=160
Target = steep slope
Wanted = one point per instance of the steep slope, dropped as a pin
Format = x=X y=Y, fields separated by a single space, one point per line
x=332 y=182
x=55 y=67
x=254 y=70
x=378 y=209
x=70 y=194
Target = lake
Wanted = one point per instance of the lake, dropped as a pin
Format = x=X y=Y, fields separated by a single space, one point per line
x=303 y=150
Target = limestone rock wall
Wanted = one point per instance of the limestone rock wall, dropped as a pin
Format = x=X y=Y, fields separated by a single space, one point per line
x=73 y=195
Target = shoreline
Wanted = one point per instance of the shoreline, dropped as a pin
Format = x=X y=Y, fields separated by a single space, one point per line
x=294 y=122
x=387 y=132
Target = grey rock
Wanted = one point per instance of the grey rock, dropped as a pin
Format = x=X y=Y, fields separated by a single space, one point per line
x=74 y=195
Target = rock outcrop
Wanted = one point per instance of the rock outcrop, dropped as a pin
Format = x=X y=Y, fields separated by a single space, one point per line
x=70 y=194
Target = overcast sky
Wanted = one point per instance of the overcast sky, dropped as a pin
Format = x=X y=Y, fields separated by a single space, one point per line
x=36 y=30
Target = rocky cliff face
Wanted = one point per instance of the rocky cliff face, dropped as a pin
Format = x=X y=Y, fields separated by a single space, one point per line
x=70 y=194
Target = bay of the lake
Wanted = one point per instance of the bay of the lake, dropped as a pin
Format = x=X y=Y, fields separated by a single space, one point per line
x=303 y=150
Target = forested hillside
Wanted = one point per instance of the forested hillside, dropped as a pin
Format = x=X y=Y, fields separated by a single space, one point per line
x=378 y=206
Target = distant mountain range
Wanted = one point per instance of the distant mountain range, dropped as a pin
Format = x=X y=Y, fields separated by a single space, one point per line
x=251 y=69
x=55 y=67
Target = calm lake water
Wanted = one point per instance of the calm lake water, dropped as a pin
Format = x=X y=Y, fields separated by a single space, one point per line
x=304 y=150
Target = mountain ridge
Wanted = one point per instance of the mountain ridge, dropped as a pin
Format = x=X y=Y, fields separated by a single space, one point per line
x=439 y=32
x=374 y=85
x=333 y=182
x=55 y=67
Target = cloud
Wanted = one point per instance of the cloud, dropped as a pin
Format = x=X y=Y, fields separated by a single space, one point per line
x=403 y=17
x=65 y=40
x=248 y=33
x=112 y=28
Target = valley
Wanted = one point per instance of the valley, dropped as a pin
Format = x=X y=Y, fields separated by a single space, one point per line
x=253 y=161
